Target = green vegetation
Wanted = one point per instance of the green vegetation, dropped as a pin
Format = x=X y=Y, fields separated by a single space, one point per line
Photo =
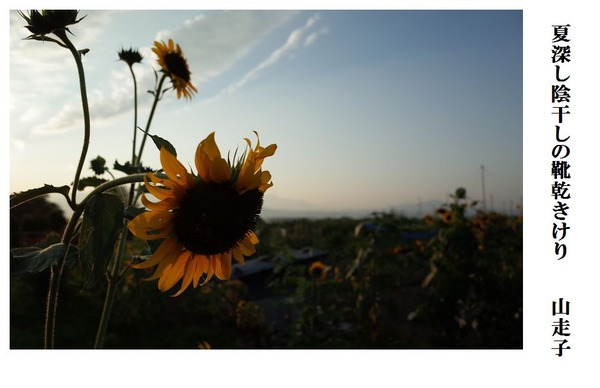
x=450 y=280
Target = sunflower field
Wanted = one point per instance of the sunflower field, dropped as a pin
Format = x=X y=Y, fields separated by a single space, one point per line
x=450 y=280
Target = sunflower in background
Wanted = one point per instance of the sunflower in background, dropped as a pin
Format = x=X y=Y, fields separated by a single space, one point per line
x=206 y=219
x=173 y=63
x=318 y=270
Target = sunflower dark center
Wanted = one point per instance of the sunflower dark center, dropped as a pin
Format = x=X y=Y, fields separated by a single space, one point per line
x=212 y=217
x=177 y=66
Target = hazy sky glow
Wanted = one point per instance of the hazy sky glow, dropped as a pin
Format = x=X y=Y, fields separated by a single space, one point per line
x=370 y=109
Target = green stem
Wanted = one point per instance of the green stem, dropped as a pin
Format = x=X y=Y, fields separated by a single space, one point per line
x=114 y=279
x=135 y=102
x=57 y=269
x=86 y=111
x=157 y=93
x=108 y=303
x=135 y=116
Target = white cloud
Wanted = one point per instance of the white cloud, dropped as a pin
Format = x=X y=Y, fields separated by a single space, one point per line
x=310 y=39
x=212 y=43
x=17 y=144
x=103 y=105
x=29 y=115
x=291 y=45
x=195 y=19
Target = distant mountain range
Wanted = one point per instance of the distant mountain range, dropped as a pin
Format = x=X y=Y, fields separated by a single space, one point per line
x=270 y=212
x=282 y=208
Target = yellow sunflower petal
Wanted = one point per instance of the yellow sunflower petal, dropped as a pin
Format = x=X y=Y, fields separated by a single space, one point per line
x=160 y=268
x=223 y=266
x=252 y=237
x=210 y=147
x=144 y=228
x=268 y=151
x=209 y=163
x=162 y=206
x=237 y=255
x=200 y=269
x=265 y=180
x=174 y=169
x=220 y=172
x=169 y=247
x=188 y=274
x=246 y=246
x=202 y=160
x=150 y=220
x=210 y=270
x=156 y=234
x=159 y=192
x=174 y=272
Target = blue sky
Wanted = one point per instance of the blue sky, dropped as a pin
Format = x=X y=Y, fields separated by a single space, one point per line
x=370 y=109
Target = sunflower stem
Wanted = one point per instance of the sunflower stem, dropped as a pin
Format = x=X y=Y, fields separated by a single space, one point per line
x=157 y=94
x=108 y=303
x=114 y=278
x=86 y=111
x=135 y=116
x=57 y=269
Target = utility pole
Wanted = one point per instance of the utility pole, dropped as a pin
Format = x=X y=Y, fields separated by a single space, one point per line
x=483 y=188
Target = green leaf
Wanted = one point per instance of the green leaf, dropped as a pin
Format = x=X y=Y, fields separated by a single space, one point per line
x=160 y=142
x=100 y=230
x=24 y=196
x=128 y=169
x=91 y=181
x=38 y=258
x=98 y=165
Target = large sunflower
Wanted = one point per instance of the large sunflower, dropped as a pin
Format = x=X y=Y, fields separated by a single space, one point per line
x=206 y=219
x=173 y=63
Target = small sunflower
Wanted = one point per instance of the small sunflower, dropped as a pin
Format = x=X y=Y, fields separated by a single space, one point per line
x=130 y=56
x=318 y=270
x=173 y=63
x=429 y=219
x=206 y=219
x=447 y=218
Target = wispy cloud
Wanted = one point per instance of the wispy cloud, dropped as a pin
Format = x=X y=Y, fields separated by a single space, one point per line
x=301 y=37
x=212 y=42
x=103 y=105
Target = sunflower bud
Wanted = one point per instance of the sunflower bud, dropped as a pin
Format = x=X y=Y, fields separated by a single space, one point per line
x=49 y=21
x=130 y=56
x=98 y=165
